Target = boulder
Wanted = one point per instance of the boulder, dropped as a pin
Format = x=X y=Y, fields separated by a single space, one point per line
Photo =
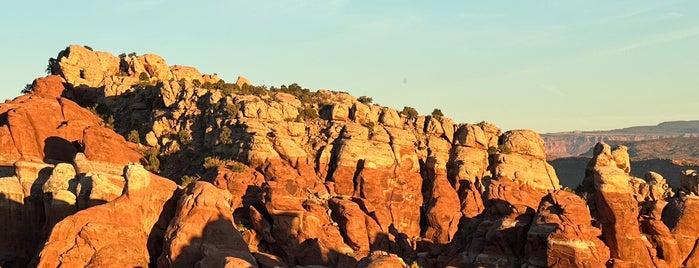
x=48 y=87
x=94 y=237
x=561 y=234
x=523 y=160
x=202 y=233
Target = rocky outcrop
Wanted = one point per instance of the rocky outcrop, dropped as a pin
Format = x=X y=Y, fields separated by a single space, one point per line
x=522 y=159
x=202 y=233
x=96 y=238
x=286 y=177
x=561 y=234
x=380 y=259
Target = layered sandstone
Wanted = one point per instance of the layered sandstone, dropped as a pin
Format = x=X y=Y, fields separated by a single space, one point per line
x=285 y=177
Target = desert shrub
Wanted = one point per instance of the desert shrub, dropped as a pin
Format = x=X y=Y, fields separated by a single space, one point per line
x=228 y=89
x=303 y=94
x=196 y=82
x=231 y=110
x=52 y=67
x=492 y=150
x=88 y=48
x=109 y=122
x=134 y=136
x=237 y=167
x=28 y=88
x=184 y=136
x=409 y=112
x=212 y=162
x=132 y=54
x=143 y=76
x=152 y=158
x=364 y=99
x=437 y=113
x=226 y=136
x=253 y=90
x=504 y=149
x=308 y=113
x=186 y=180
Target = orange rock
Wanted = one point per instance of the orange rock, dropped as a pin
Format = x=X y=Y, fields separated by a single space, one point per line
x=48 y=87
x=115 y=234
x=203 y=233
x=561 y=234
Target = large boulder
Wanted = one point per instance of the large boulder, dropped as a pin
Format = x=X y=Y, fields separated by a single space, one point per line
x=96 y=238
x=522 y=158
x=202 y=233
x=561 y=234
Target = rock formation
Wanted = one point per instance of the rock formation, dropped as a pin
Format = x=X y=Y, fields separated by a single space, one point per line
x=285 y=177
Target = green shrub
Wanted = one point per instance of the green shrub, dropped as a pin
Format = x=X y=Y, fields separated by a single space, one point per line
x=152 y=158
x=184 y=136
x=504 y=149
x=186 y=180
x=237 y=167
x=231 y=110
x=143 y=76
x=212 y=162
x=437 y=113
x=492 y=150
x=409 y=112
x=226 y=136
x=364 y=99
x=28 y=88
x=134 y=136
x=308 y=113
x=52 y=67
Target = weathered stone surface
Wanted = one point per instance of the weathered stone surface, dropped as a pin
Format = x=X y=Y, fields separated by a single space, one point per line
x=202 y=233
x=48 y=87
x=185 y=72
x=244 y=185
x=618 y=213
x=561 y=234
x=82 y=66
x=156 y=66
x=381 y=259
x=658 y=187
x=443 y=210
x=95 y=238
x=242 y=81
x=524 y=161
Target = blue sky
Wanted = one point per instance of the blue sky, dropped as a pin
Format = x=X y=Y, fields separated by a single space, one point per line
x=542 y=65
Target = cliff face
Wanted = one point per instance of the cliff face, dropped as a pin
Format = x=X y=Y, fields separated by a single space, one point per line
x=566 y=144
x=285 y=176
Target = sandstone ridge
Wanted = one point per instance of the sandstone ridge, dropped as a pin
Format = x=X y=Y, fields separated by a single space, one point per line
x=288 y=177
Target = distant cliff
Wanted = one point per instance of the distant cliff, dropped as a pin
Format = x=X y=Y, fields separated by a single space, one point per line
x=565 y=144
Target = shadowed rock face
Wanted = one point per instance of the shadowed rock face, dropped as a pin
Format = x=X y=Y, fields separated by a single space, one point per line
x=300 y=178
x=203 y=233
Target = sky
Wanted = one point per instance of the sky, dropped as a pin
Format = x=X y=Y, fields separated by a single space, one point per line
x=544 y=65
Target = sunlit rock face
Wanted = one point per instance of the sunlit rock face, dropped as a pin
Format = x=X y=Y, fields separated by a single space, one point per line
x=285 y=177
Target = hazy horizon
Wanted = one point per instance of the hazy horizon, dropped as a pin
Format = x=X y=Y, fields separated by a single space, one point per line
x=546 y=66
